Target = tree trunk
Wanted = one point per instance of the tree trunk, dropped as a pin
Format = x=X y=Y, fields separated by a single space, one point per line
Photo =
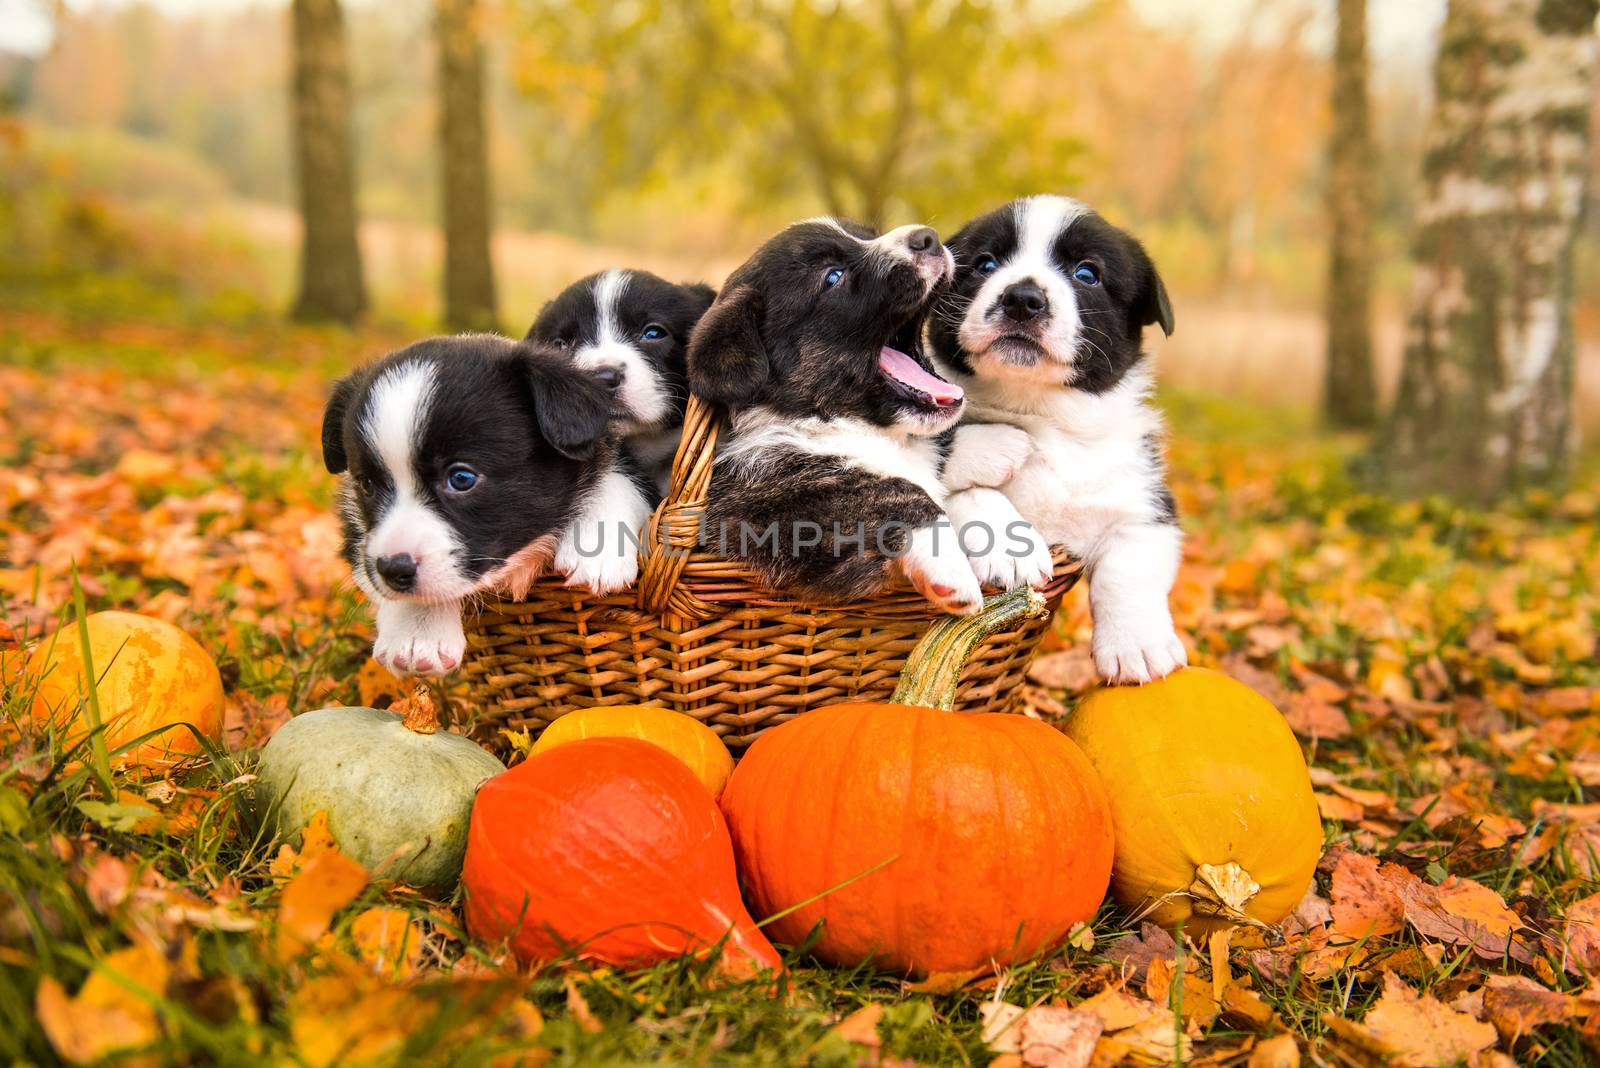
x=1349 y=397
x=331 y=285
x=1485 y=402
x=469 y=298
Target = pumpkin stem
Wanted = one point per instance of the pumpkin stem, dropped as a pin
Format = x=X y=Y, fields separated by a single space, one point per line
x=1223 y=890
x=420 y=714
x=934 y=666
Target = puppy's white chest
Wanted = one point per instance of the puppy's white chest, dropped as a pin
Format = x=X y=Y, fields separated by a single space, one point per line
x=1074 y=487
x=856 y=443
x=913 y=459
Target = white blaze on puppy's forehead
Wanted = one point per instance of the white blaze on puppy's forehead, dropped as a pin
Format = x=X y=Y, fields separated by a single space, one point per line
x=608 y=289
x=396 y=410
x=1039 y=221
x=393 y=422
x=828 y=221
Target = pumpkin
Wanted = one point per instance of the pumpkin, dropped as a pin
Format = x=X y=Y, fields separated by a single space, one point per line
x=612 y=849
x=920 y=839
x=1215 y=819
x=149 y=675
x=683 y=736
x=397 y=791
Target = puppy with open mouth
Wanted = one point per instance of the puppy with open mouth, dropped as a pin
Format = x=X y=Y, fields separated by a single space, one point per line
x=1043 y=327
x=826 y=480
x=467 y=461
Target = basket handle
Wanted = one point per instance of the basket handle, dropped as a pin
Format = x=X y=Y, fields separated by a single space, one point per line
x=673 y=532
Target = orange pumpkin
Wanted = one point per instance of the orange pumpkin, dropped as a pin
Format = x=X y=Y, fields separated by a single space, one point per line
x=922 y=840
x=609 y=848
x=149 y=675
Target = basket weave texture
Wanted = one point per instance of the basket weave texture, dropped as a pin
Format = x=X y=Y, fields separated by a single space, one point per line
x=702 y=635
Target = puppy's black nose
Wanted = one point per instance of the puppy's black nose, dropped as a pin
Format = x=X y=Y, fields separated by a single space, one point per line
x=399 y=570
x=611 y=377
x=923 y=239
x=1023 y=301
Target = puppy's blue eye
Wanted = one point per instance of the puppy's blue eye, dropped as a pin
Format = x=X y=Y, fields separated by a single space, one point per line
x=460 y=478
x=1085 y=274
x=833 y=278
x=653 y=332
x=986 y=265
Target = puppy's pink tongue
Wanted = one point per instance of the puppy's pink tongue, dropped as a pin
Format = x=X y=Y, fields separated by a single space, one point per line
x=903 y=369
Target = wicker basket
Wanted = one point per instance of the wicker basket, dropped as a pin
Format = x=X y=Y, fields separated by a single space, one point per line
x=702 y=635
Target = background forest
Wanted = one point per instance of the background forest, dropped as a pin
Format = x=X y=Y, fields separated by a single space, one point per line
x=675 y=135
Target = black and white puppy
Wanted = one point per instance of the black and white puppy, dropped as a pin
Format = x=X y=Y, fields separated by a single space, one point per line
x=1043 y=327
x=467 y=460
x=631 y=329
x=826 y=479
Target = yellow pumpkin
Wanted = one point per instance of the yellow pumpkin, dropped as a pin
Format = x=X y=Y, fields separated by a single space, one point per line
x=149 y=675
x=1215 y=822
x=683 y=736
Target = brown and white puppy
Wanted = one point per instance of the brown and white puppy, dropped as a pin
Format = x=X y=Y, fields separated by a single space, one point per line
x=826 y=481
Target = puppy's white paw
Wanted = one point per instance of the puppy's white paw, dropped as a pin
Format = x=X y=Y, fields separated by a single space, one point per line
x=986 y=454
x=936 y=566
x=600 y=575
x=592 y=563
x=1003 y=548
x=1132 y=651
x=600 y=550
x=419 y=639
x=1019 y=558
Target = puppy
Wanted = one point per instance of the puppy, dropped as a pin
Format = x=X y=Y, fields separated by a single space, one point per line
x=631 y=329
x=826 y=479
x=468 y=460
x=1043 y=328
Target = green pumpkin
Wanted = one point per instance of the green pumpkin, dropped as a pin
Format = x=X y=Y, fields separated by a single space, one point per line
x=397 y=799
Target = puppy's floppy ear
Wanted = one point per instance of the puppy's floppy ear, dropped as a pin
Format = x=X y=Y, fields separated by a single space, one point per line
x=728 y=362
x=1150 y=303
x=333 y=455
x=571 y=406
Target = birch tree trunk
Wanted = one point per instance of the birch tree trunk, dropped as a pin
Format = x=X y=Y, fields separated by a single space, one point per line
x=1485 y=400
x=469 y=292
x=331 y=284
x=1349 y=396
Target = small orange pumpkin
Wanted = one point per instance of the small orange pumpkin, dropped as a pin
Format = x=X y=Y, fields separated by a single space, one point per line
x=922 y=840
x=149 y=675
x=609 y=848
